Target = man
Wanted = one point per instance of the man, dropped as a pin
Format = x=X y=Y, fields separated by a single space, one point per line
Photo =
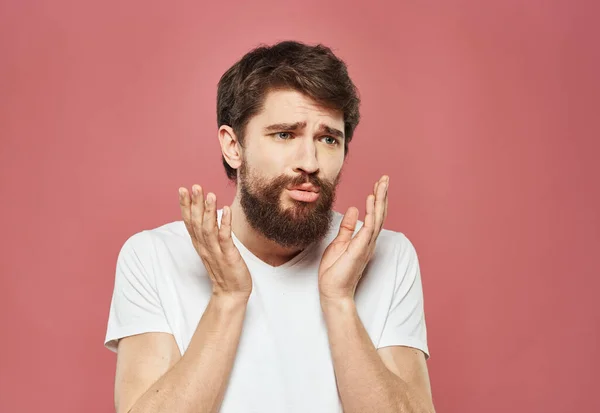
x=276 y=303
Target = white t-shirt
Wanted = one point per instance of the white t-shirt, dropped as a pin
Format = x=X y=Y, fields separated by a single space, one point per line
x=283 y=362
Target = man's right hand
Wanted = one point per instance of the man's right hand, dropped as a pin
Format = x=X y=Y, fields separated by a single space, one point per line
x=153 y=376
x=224 y=264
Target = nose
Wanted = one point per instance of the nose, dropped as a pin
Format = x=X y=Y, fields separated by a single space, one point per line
x=306 y=157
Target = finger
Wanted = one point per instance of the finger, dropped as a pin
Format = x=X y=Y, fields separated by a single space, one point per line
x=380 y=200
x=348 y=225
x=209 y=222
x=377 y=193
x=225 y=240
x=360 y=243
x=380 y=210
x=186 y=213
x=387 y=191
x=370 y=214
x=197 y=211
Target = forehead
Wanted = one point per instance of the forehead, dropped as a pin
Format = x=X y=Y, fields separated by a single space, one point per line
x=292 y=106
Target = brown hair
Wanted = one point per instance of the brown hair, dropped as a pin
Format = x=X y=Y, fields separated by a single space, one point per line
x=312 y=70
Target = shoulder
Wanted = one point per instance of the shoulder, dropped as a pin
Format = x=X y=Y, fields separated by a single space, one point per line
x=389 y=242
x=171 y=232
x=396 y=240
x=394 y=250
x=148 y=241
x=150 y=253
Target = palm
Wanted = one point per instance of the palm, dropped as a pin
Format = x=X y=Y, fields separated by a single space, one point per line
x=337 y=270
x=345 y=259
x=332 y=255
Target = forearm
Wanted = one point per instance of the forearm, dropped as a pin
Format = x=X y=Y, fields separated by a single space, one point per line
x=197 y=382
x=364 y=382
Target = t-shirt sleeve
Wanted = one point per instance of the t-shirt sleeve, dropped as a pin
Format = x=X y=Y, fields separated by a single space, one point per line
x=135 y=307
x=405 y=323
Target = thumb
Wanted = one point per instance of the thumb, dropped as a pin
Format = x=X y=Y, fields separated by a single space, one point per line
x=348 y=225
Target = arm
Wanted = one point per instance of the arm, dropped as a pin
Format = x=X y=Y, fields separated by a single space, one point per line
x=368 y=381
x=396 y=379
x=153 y=377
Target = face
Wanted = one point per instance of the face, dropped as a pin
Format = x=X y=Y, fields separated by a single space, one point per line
x=291 y=163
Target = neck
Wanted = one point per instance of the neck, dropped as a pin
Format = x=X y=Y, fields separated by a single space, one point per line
x=265 y=249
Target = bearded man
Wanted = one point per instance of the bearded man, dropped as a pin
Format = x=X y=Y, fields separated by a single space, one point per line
x=275 y=303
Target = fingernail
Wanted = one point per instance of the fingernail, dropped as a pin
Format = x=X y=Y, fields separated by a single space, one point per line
x=195 y=190
x=180 y=193
x=209 y=199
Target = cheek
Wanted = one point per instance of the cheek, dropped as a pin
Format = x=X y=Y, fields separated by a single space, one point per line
x=266 y=166
x=333 y=167
x=271 y=163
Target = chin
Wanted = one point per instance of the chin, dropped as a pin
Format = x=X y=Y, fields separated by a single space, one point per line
x=292 y=203
x=297 y=209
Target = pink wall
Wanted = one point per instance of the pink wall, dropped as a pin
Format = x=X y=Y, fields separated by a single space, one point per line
x=484 y=113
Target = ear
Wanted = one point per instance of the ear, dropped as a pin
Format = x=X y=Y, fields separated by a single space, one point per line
x=230 y=147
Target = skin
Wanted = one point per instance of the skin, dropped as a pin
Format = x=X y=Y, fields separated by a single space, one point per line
x=306 y=150
x=151 y=374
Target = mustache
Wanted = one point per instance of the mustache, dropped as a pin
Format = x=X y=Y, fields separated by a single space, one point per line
x=314 y=180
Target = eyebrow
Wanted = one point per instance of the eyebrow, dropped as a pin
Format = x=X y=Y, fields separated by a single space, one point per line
x=301 y=125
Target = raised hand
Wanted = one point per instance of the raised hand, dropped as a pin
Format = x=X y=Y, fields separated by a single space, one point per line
x=345 y=259
x=226 y=267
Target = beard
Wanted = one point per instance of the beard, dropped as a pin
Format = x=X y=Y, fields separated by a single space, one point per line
x=298 y=225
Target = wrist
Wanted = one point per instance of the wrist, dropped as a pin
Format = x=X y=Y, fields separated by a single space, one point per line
x=229 y=301
x=338 y=305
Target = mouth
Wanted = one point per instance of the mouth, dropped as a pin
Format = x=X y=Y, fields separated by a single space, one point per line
x=308 y=187
x=303 y=195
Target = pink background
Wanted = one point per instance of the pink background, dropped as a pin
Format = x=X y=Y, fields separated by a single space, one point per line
x=484 y=114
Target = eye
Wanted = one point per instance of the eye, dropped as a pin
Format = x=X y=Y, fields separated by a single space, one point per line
x=330 y=140
x=283 y=135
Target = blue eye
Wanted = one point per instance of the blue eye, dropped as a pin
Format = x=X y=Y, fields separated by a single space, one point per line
x=329 y=140
x=283 y=135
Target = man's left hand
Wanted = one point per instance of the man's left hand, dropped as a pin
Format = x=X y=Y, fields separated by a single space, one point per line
x=345 y=259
